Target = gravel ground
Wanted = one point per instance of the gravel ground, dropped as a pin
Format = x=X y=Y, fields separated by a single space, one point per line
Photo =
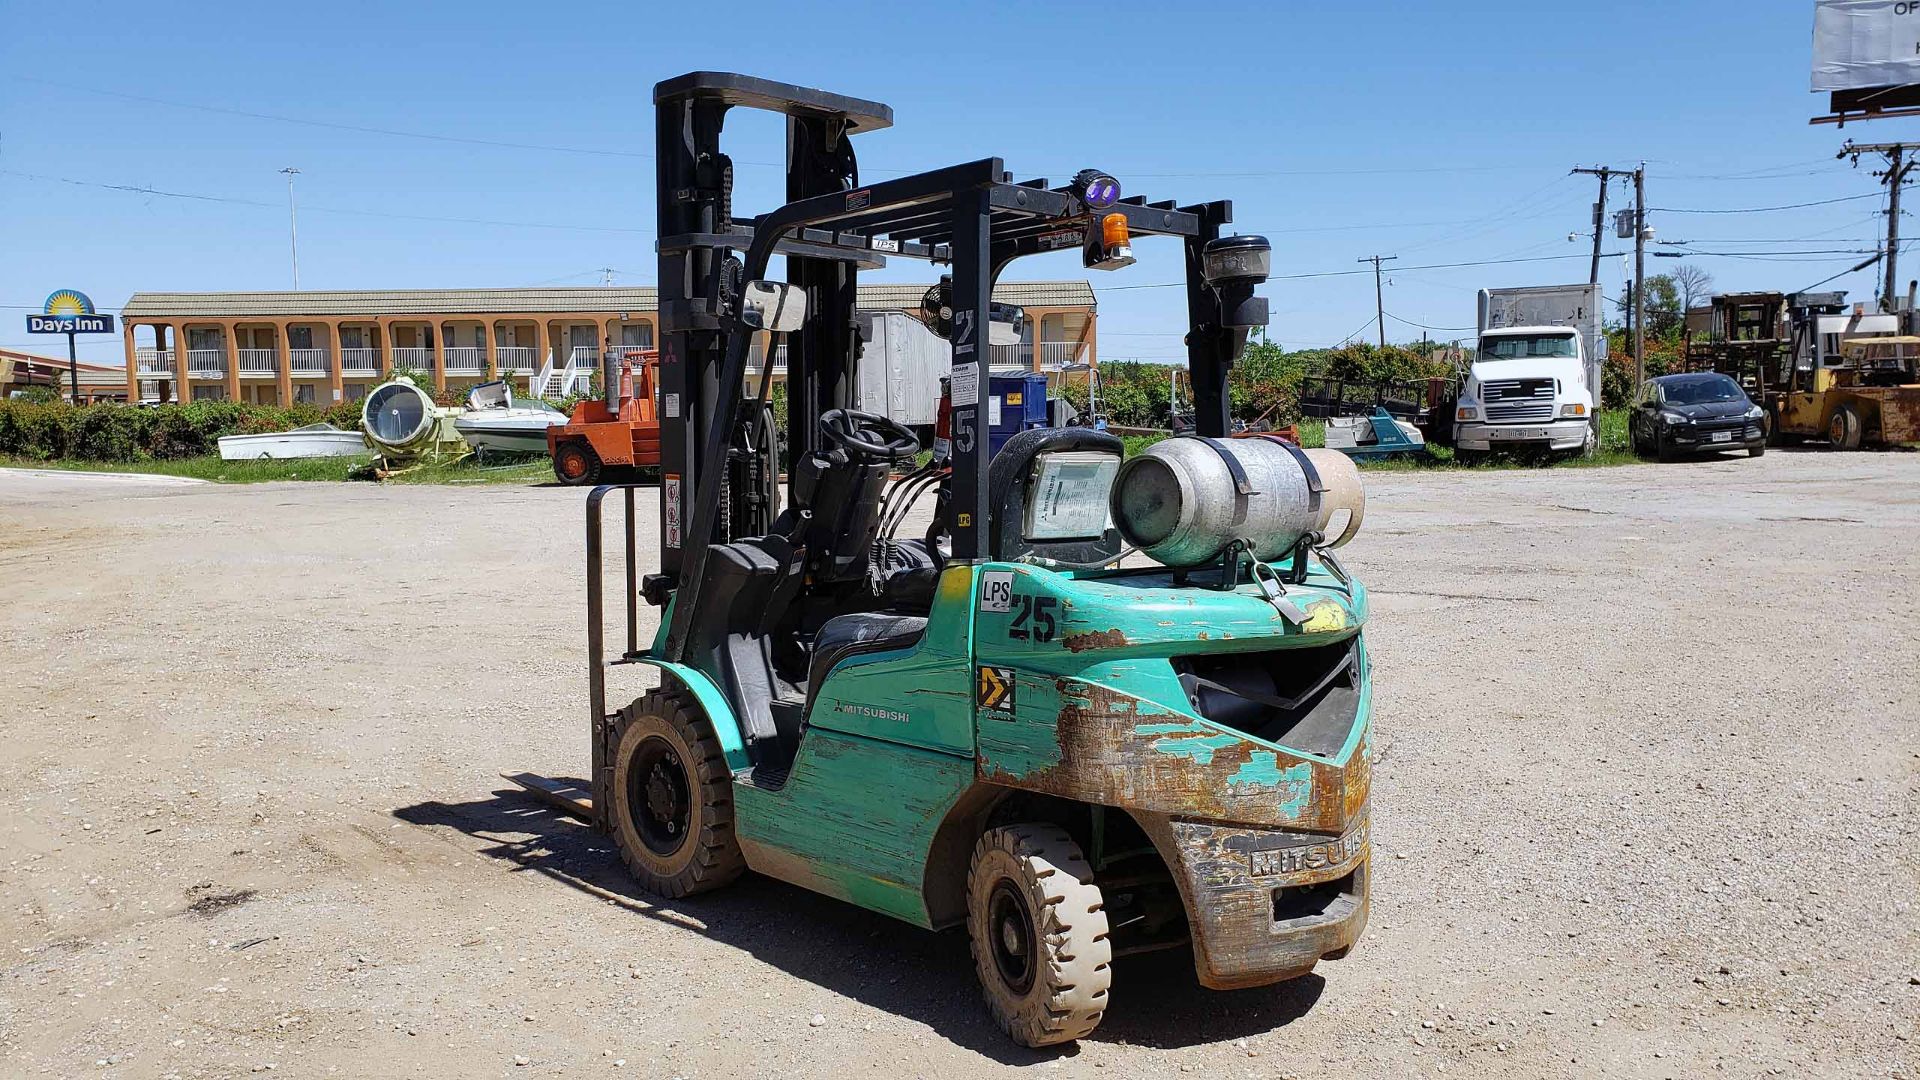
x=1645 y=805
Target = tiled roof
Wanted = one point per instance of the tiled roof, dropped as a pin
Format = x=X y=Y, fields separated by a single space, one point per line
x=609 y=299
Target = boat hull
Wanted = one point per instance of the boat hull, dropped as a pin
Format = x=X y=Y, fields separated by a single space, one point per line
x=286 y=445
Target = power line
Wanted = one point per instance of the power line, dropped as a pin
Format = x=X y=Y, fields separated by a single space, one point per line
x=362 y=129
x=135 y=189
x=1760 y=209
x=1424 y=326
x=1349 y=273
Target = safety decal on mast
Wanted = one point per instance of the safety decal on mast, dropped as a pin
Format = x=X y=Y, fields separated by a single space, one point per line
x=670 y=517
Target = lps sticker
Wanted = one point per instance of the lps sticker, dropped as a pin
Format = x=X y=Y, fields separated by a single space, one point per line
x=996 y=591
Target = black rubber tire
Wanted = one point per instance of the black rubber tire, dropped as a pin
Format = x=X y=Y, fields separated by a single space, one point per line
x=1844 y=430
x=1770 y=425
x=1756 y=451
x=1662 y=451
x=666 y=728
x=575 y=464
x=1032 y=883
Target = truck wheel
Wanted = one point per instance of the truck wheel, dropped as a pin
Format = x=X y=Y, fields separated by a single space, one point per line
x=672 y=799
x=575 y=464
x=1038 y=928
x=1843 y=431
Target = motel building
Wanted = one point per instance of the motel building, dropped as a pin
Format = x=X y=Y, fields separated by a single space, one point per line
x=322 y=347
x=20 y=371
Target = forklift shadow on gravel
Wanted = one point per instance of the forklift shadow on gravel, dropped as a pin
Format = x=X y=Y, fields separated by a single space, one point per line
x=882 y=963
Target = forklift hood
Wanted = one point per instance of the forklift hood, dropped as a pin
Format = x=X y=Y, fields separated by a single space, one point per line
x=1191 y=702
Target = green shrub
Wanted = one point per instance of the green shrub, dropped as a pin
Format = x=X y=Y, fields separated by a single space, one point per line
x=108 y=432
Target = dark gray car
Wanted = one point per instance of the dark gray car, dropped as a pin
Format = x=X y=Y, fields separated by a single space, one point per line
x=1696 y=413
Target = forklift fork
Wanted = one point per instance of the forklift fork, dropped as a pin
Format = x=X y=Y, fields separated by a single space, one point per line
x=588 y=801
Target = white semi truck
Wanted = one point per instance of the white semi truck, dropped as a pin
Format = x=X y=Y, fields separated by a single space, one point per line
x=1534 y=384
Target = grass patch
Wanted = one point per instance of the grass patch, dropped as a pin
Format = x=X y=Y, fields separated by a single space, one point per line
x=467 y=470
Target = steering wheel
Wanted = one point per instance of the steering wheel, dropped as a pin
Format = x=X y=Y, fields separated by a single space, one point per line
x=868 y=435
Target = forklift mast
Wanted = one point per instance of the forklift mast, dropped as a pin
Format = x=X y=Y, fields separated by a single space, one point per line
x=972 y=217
x=700 y=282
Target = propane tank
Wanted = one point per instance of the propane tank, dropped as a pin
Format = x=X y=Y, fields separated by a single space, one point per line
x=1181 y=503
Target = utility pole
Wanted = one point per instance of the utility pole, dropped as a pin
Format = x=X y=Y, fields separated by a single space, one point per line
x=293 y=226
x=1379 y=300
x=1605 y=173
x=1895 y=177
x=1639 y=274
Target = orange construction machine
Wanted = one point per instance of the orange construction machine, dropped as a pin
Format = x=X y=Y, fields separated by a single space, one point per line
x=601 y=433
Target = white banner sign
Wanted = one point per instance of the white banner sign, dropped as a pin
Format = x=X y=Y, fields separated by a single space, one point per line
x=1859 y=44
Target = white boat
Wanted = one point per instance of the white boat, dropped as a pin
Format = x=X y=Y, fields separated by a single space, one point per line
x=495 y=423
x=314 y=440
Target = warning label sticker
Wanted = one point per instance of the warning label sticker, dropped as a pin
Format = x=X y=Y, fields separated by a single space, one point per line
x=670 y=515
x=995 y=689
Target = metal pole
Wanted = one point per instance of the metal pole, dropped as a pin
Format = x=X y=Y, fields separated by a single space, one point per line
x=1599 y=217
x=1895 y=176
x=293 y=226
x=1640 y=274
x=73 y=368
x=1379 y=301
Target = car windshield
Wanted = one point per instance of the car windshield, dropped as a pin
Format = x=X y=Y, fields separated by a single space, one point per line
x=1518 y=346
x=1701 y=391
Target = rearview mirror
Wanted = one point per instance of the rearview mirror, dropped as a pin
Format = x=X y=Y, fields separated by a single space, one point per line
x=1005 y=324
x=773 y=305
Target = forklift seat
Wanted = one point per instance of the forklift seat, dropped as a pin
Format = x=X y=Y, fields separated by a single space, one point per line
x=846 y=636
x=749 y=584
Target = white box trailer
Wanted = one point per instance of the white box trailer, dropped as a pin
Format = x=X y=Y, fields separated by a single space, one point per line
x=1577 y=306
x=1536 y=374
x=900 y=367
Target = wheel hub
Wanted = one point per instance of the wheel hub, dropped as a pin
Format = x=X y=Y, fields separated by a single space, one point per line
x=1010 y=930
x=658 y=796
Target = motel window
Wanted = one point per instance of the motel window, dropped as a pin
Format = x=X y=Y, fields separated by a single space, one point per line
x=353 y=337
x=209 y=393
x=303 y=393
x=299 y=337
x=637 y=335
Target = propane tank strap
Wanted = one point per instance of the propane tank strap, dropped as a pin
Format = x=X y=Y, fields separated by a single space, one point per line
x=1316 y=487
x=1242 y=487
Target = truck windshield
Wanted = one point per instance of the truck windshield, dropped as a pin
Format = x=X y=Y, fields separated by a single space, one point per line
x=1518 y=346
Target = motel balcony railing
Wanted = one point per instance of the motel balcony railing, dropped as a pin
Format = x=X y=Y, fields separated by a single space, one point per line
x=308 y=362
x=359 y=361
x=465 y=359
x=259 y=363
x=154 y=361
x=207 y=363
x=418 y=359
x=514 y=359
x=1055 y=355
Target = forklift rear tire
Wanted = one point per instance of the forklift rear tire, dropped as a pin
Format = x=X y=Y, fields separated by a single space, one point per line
x=1038 y=928
x=672 y=798
x=575 y=464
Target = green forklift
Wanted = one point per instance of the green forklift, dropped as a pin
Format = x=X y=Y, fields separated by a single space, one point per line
x=1100 y=706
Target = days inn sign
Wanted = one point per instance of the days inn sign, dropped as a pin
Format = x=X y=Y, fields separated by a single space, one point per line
x=69 y=312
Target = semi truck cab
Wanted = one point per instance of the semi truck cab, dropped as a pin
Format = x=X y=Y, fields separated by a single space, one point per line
x=1527 y=390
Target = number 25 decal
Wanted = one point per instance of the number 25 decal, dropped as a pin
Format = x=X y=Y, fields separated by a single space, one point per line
x=1033 y=618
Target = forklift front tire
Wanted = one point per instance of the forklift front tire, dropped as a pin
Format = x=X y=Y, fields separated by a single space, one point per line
x=672 y=799
x=1038 y=928
x=575 y=464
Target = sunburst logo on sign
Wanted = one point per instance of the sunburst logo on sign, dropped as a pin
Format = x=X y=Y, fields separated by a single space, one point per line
x=69 y=302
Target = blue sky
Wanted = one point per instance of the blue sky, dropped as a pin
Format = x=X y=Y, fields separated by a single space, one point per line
x=1440 y=134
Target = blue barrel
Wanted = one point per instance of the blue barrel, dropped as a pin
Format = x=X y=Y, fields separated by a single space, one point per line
x=1015 y=403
